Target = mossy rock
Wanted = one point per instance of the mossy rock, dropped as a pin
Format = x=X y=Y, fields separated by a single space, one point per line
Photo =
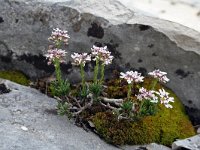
x=15 y=76
x=164 y=127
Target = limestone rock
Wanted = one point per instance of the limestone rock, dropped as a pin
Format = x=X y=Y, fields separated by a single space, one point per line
x=192 y=143
x=152 y=146
x=155 y=146
x=137 y=42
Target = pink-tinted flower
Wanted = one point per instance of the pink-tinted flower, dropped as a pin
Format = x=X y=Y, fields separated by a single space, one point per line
x=144 y=94
x=58 y=35
x=164 y=98
x=53 y=54
x=102 y=54
x=80 y=58
x=131 y=76
x=96 y=50
x=161 y=76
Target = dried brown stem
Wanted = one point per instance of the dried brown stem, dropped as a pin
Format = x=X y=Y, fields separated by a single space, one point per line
x=58 y=99
x=88 y=105
x=122 y=117
x=77 y=102
x=117 y=102
x=111 y=100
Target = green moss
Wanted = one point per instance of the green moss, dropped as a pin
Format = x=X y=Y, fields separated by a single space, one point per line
x=116 y=89
x=15 y=76
x=164 y=127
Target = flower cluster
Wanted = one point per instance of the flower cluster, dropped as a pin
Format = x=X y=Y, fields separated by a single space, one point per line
x=147 y=95
x=102 y=54
x=53 y=54
x=155 y=96
x=161 y=76
x=80 y=58
x=58 y=35
x=131 y=76
x=164 y=98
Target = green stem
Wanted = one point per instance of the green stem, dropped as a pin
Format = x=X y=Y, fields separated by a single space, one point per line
x=102 y=73
x=141 y=107
x=58 y=71
x=83 y=76
x=153 y=84
x=129 y=91
x=58 y=44
x=96 y=71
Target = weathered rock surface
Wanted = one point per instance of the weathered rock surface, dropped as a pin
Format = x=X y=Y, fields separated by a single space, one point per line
x=152 y=146
x=28 y=121
x=137 y=42
x=192 y=143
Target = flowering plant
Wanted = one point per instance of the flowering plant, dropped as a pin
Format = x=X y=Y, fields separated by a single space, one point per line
x=58 y=37
x=102 y=54
x=144 y=94
x=80 y=60
x=131 y=77
x=55 y=56
x=142 y=102
x=164 y=98
x=160 y=75
x=102 y=57
x=147 y=98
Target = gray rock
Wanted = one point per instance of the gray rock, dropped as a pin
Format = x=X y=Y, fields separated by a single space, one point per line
x=152 y=146
x=192 y=143
x=137 y=42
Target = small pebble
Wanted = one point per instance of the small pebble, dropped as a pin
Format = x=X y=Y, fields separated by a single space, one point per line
x=24 y=128
x=91 y=124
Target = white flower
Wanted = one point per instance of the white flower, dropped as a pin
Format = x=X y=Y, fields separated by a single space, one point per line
x=147 y=95
x=96 y=50
x=161 y=76
x=55 y=53
x=164 y=98
x=131 y=76
x=59 y=35
x=102 y=54
x=80 y=58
